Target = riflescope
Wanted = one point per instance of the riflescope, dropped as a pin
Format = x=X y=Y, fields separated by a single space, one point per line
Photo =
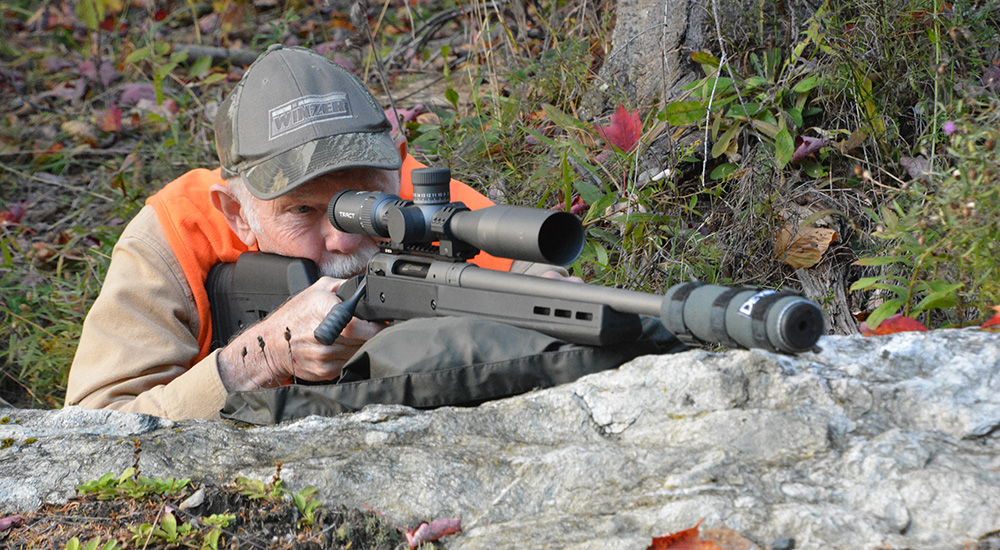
x=515 y=232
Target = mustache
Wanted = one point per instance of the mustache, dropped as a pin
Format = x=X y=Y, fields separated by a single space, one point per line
x=343 y=266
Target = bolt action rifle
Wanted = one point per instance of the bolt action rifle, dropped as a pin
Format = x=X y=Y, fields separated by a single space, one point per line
x=422 y=271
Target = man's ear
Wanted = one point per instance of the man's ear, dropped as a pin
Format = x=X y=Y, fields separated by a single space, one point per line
x=224 y=201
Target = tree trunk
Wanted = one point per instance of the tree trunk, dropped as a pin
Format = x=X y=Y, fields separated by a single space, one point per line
x=650 y=48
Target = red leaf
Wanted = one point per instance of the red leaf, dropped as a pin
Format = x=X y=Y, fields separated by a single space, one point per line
x=429 y=532
x=993 y=324
x=805 y=146
x=624 y=129
x=13 y=215
x=892 y=325
x=687 y=539
x=109 y=120
x=8 y=522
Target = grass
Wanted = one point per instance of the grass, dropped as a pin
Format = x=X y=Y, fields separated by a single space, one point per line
x=510 y=108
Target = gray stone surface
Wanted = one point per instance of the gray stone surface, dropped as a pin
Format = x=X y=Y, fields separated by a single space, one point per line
x=873 y=442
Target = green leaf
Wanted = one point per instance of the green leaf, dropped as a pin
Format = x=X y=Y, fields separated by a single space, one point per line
x=784 y=147
x=169 y=526
x=141 y=54
x=883 y=312
x=795 y=115
x=705 y=58
x=864 y=283
x=91 y=12
x=129 y=472
x=901 y=291
x=806 y=84
x=201 y=66
x=560 y=118
x=211 y=540
x=682 y=113
x=937 y=300
x=599 y=207
x=722 y=144
x=723 y=171
x=747 y=110
x=769 y=129
x=452 y=96
x=213 y=78
x=589 y=192
x=884 y=260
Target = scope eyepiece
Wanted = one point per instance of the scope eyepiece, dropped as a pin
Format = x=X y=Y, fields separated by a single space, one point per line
x=362 y=212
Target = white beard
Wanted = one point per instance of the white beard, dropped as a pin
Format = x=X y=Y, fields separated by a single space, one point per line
x=343 y=266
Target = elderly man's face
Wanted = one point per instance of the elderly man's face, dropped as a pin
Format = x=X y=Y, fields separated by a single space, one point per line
x=296 y=224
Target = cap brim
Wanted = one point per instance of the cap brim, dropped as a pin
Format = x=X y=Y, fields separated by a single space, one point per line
x=282 y=173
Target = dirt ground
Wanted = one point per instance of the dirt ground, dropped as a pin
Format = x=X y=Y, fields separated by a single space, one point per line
x=258 y=524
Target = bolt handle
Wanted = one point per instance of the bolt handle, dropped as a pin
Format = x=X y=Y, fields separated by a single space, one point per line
x=340 y=315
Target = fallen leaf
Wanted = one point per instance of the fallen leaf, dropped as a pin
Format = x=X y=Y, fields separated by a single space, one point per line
x=10 y=521
x=429 y=532
x=576 y=206
x=853 y=141
x=134 y=92
x=329 y=48
x=802 y=247
x=69 y=91
x=805 y=146
x=624 y=129
x=993 y=324
x=13 y=215
x=56 y=63
x=209 y=23
x=892 y=325
x=234 y=18
x=404 y=115
x=687 y=539
x=193 y=501
x=167 y=110
x=82 y=130
x=109 y=120
x=916 y=167
x=727 y=539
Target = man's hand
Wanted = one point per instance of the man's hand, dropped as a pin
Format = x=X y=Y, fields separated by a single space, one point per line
x=552 y=274
x=282 y=345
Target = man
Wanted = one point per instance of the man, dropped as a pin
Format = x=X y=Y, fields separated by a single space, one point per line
x=297 y=129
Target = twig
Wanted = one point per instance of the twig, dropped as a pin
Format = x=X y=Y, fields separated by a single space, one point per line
x=219 y=55
x=708 y=115
x=56 y=183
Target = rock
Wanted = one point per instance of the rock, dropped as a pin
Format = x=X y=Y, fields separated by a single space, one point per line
x=870 y=443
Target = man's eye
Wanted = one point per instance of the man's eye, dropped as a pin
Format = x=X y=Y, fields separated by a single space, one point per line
x=302 y=209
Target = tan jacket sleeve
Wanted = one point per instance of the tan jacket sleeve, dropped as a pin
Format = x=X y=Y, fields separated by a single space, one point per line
x=140 y=337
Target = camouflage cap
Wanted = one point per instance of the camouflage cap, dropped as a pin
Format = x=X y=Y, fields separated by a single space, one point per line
x=296 y=115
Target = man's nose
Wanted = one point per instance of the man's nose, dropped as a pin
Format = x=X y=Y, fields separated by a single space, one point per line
x=339 y=242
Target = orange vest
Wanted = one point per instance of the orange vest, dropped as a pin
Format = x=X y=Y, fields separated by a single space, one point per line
x=200 y=237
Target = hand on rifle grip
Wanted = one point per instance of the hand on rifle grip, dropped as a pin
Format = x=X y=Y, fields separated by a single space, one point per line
x=337 y=319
